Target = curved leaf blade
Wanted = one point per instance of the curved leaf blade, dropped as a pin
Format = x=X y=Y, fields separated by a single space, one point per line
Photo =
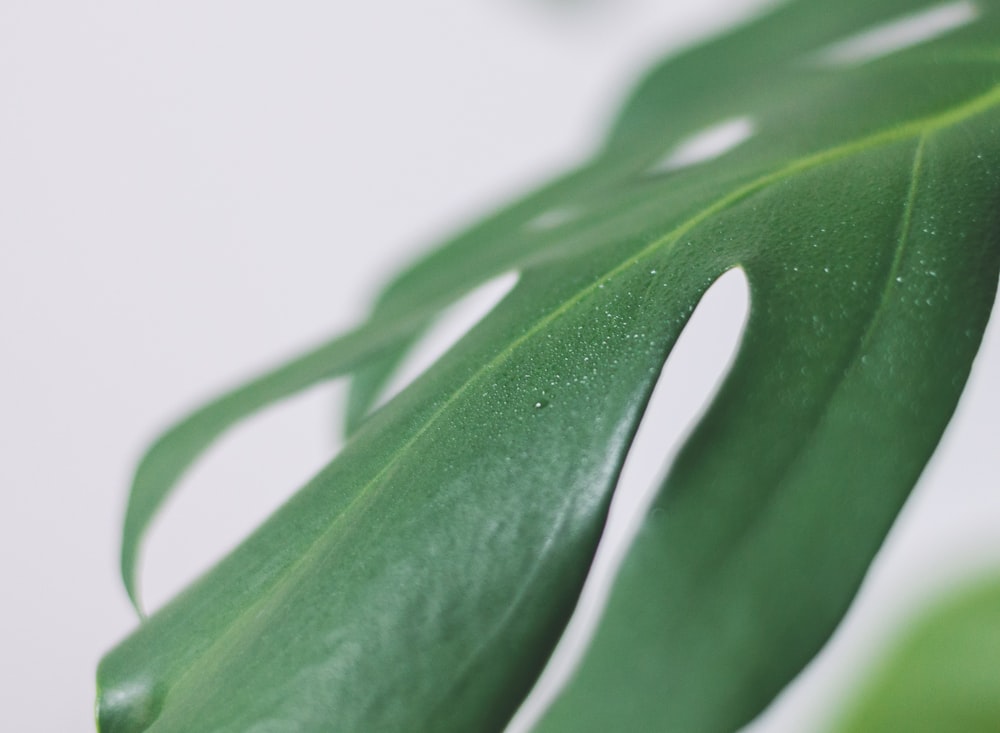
x=166 y=460
x=773 y=511
x=361 y=518
x=421 y=580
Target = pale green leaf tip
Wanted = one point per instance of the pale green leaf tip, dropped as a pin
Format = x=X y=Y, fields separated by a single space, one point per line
x=130 y=578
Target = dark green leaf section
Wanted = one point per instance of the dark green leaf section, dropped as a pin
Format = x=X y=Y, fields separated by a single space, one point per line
x=320 y=602
x=944 y=675
x=772 y=513
x=421 y=580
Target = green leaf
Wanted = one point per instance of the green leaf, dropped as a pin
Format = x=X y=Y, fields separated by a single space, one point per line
x=944 y=675
x=420 y=582
x=177 y=448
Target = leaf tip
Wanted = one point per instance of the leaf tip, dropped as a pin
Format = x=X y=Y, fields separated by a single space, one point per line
x=127 y=707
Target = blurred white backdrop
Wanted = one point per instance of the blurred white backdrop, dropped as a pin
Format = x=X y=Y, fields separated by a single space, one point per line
x=192 y=191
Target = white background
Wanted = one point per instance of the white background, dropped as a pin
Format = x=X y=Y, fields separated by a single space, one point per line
x=190 y=191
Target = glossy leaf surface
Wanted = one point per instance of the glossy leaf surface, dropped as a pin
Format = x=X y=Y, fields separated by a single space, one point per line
x=421 y=580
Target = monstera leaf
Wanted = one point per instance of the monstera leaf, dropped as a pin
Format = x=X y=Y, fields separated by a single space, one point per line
x=845 y=157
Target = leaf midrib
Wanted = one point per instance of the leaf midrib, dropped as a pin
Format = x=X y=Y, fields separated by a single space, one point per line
x=896 y=133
